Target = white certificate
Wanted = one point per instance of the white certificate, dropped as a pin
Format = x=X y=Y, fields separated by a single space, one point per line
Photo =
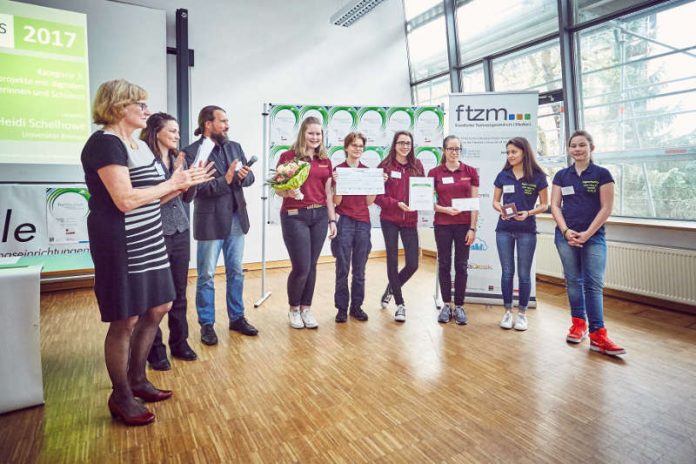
x=420 y=193
x=204 y=152
x=359 y=181
x=465 y=204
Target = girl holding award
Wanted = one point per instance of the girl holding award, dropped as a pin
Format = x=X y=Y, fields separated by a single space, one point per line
x=397 y=218
x=582 y=197
x=352 y=243
x=306 y=215
x=456 y=184
x=517 y=188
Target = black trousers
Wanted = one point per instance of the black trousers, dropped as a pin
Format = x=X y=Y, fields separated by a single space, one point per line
x=409 y=237
x=445 y=236
x=179 y=250
x=304 y=234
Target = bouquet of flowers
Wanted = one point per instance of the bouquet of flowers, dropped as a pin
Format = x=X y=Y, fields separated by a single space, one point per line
x=290 y=176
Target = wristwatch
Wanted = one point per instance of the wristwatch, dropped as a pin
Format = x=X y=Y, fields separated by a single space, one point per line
x=332 y=220
x=472 y=229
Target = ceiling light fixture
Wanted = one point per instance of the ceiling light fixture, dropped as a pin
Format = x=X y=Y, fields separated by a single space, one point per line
x=353 y=11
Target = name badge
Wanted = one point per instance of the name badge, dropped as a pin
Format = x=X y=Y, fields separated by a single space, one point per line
x=395 y=175
x=159 y=169
x=569 y=190
x=448 y=180
x=508 y=189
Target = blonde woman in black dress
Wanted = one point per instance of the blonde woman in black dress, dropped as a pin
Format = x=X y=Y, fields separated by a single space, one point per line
x=133 y=282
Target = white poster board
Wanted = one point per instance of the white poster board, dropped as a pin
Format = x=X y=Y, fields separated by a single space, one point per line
x=484 y=122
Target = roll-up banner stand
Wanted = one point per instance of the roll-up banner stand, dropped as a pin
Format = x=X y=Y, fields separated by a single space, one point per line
x=484 y=122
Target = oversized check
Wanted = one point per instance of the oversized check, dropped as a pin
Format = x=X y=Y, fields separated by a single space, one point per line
x=359 y=181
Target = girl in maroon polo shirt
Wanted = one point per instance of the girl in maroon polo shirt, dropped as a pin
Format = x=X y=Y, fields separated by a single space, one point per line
x=397 y=218
x=352 y=243
x=453 y=179
x=305 y=221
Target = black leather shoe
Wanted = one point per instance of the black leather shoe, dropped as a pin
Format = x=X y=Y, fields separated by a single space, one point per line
x=208 y=336
x=341 y=316
x=184 y=351
x=358 y=314
x=160 y=364
x=242 y=326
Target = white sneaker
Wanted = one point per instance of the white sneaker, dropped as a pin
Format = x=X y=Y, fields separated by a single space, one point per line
x=308 y=319
x=506 y=322
x=400 y=314
x=295 y=319
x=521 y=322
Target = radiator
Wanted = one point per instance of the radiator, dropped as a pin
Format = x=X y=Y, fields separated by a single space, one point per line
x=665 y=273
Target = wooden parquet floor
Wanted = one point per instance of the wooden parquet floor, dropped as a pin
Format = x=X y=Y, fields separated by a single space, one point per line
x=377 y=391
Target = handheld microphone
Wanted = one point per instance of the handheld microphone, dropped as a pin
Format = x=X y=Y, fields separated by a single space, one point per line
x=251 y=161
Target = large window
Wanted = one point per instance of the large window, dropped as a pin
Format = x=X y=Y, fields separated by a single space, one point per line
x=633 y=70
x=485 y=27
x=534 y=68
x=585 y=10
x=473 y=79
x=414 y=8
x=427 y=49
x=432 y=92
x=637 y=96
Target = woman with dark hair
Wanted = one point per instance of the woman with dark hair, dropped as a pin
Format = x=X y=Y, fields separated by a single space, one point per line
x=397 y=219
x=520 y=183
x=305 y=221
x=352 y=242
x=133 y=283
x=162 y=137
x=582 y=197
x=453 y=180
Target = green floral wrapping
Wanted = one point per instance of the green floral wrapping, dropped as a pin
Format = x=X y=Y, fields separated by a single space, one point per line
x=280 y=180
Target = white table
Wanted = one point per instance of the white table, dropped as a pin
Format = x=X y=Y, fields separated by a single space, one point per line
x=21 y=381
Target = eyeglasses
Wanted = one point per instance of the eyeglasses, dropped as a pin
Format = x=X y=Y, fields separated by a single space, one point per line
x=357 y=147
x=142 y=105
x=404 y=143
x=453 y=150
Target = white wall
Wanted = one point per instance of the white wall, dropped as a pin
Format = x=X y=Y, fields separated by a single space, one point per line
x=278 y=51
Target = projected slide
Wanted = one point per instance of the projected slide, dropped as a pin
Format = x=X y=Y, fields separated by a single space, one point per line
x=44 y=84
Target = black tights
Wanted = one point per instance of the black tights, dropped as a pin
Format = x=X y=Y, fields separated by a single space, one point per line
x=126 y=346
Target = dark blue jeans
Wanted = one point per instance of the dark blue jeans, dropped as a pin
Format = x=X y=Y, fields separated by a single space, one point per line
x=584 y=274
x=352 y=244
x=409 y=238
x=526 y=244
x=445 y=236
x=304 y=234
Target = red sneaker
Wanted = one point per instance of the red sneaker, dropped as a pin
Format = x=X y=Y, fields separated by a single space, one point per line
x=577 y=331
x=600 y=342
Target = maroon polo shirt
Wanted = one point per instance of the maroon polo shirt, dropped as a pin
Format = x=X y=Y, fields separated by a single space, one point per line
x=395 y=191
x=353 y=206
x=453 y=184
x=314 y=188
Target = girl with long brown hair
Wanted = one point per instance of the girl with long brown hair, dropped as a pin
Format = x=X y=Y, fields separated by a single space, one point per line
x=520 y=183
x=397 y=218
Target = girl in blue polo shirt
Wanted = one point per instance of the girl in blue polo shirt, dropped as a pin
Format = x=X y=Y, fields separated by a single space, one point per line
x=520 y=183
x=581 y=201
